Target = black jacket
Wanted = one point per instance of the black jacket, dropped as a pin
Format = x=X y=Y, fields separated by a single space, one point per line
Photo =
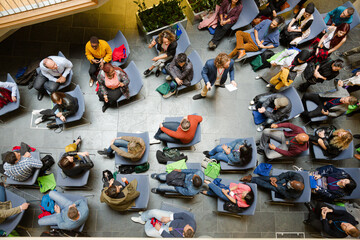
x=280 y=113
x=332 y=228
x=170 y=51
x=68 y=107
x=80 y=165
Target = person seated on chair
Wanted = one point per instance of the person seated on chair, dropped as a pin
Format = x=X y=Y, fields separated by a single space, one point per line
x=228 y=15
x=237 y=152
x=325 y=71
x=166 y=45
x=71 y=164
x=215 y=73
x=346 y=54
x=53 y=72
x=292 y=143
x=332 y=183
x=333 y=223
x=351 y=84
x=119 y=196
x=339 y=15
x=299 y=27
x=265 y=36
x=187 y=182
x=331 y=140
x=180 y=72
x=275 y=107
x=289 y=185
x=65 y=106
x=98 y=52
x=237 y=193
x=160 y=223
x=289 y=64
x=6 y=209
x=132 y=148
x=330 y=103
x=7 y=96
x=175 y=132
x=68 y=215
x=330 y=42
x=19 y=165
x=113 y=83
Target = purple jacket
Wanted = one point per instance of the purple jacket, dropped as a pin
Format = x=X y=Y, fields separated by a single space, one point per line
x=233 y=14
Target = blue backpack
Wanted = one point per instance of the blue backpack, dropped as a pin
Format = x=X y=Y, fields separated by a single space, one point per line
x=47 y=203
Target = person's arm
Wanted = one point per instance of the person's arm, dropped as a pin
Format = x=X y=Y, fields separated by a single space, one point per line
x=35 y=163
x=306 y=26
x=101 y=81
x=330 y=15
x=205 y=72
x=171 y=133
x=327 y=170
x=11 y=85
x=317 y=74
x=337 y=46
x=232 y=71
x=233 y=19
x=5 y=213
x=108 y=51
x=171 y=50
x=88 y=163
x=286 y=153
x=88 y=53
x=45 y=72
x=68 y=66
x=188 y=70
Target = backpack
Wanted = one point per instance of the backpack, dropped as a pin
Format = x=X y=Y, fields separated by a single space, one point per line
x=232 y=207
x=142 y=168
x=171 y=152
x=47 y=204
x=47 y=161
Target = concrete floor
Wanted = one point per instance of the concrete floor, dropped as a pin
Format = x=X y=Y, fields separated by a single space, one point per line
x=225 y=115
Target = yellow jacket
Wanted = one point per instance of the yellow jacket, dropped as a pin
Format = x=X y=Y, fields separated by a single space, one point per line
x=103 y=51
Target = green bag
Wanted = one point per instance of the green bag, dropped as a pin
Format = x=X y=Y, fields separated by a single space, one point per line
x=142 y=168
x=256 y=63
x=352 y=108
x=212 y=170
x=274 y=57
x=46 y=183
x=171 y=152
x=164 y=88
x=181 y=164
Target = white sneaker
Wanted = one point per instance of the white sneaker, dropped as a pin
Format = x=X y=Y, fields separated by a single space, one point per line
x=257 y=77
x=37 y=112
x=38 y=120
x=140 y=213
x=252 y=108
x=260 y=129
x=137 y=220
x=154 y=141
x=168 y=77
x=252 y=102
x=296 y=168
x=269 y=85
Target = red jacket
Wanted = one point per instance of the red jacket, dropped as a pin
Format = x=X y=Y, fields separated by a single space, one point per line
x=294 y=149
x=188 y=136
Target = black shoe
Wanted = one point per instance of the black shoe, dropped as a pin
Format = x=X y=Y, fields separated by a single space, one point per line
x=147 y=72
x=309 y=206
x=157 y=73
x=206 y=153
x=31 y=85
x=306 y=222
x=104 y=107
x=103 y=152
x=153 y=176
x=221 y=86
x=154 y=190
x=357 y=136
x=198 y=96
x=257 y=142
x=40 y=96
x=260 y=151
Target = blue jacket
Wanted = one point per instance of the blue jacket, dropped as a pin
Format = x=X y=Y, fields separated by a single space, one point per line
x=234 y=156
x=190 y=189
x=178 y=222
x=263 y=34
x=335 y=16
x=209 y=72
x=65 y=223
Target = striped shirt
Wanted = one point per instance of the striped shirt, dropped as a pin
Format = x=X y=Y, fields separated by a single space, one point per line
x=23 y=169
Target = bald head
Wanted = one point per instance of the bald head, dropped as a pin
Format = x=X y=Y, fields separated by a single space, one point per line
x=298 y=186
x=302 y=138
x=49 y=63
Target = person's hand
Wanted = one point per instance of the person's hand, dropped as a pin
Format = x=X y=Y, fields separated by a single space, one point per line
x=317 y=51
x=13 y=98
x=358 y=73
x=273 y=181
x=123 y=179
x=233 y=83
x=62 y=118
x=95 y=61
x=224 y=191
x=317 y=176
x=165 y=219
x=24 y=206
x=224 y=147
x=59 y=114
x=161 y=125
x=61 y=79
x=325 y=112
x=57 y=208
x=111 y=181
x=317 y=188
x=106 y=99
x=273 y=64
x=272 y=146
x=101 y=64
x=261 y=110
x=274 y=125
x=152 y=44
x=179 y=81
x=27 y=155
x=274 y=13
x=177 y=170
x=208 y=86
x=157 y=226
x=155 y=59
x=261 y=45
x=121 y=84
x=340 y=83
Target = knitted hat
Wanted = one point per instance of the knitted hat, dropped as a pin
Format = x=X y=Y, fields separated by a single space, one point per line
x=281 y=102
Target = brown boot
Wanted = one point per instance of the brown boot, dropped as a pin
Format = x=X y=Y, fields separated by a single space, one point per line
x=357 y=156
x=246 y=178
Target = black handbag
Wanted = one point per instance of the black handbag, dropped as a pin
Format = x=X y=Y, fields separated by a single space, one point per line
x=47 y=161
x=232 y=207
x=309 y=72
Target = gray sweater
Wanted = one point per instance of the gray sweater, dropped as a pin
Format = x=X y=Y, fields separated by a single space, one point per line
x=184 y=73
x=63 y=68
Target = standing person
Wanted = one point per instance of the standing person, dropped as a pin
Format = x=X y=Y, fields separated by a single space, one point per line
x=215 y=73
x=228 y=15
x=264 y=36
x=98 y=52
x=339 y=15
x=53 y=72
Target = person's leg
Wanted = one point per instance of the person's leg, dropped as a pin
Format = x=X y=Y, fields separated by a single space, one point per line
x=39 y=82
x=163 y=187
x=51 y=86
x=113 y=96
x=204 y=91
x=161 y=177
x=268 y=122
x=313 y=97
x=217 y=191
x=171 y=125
x=352 y=51
x=249 y=45
x=215 y=150
x=220 y=33
x=264 y=182
x=279 y=136
x=120 y=143
x=275 y=79
x=269 y=133
x=60 y=199
x=51 y=220
x=92 y=70
x=221 y=157
x=354 y=88
x=2 y=194
x=239 y=44
x=154 y=213
x=166 y=138
x=151 y=231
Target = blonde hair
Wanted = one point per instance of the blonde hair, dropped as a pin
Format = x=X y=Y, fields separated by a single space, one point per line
x=168 y=35
x=221 y=59
x=342 y=142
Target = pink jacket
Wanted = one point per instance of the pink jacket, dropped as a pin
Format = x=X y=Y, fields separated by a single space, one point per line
x=210 y=20
x=240 y=189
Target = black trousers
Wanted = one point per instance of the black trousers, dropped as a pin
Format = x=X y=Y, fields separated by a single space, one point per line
x=220 y=32
x=316 y=99
x=93 y=69
x=314 y=217
x=113 y=95
x=42 y=83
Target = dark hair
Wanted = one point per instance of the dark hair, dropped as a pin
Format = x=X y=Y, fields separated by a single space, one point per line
x=354 y=232
x=56 y=96
x=107 y=67
x=185 y=124
x=189 y=233
x=249 y=198
x=279 y=19
x=168 y=35
x=94 y=39
x=181 y=58
x=197 y=182
x=246 y=153
x=338 y=63
x=350 y=10
x=111 y=191
x=349 y=188
x=310 y=8
x=237 y=3
x=65 y=163
x=10 y=158
x=73 y=213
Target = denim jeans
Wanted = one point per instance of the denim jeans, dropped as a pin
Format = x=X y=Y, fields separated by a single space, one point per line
x=163 y=187
x=60 y=200
x=216 y=192
x=2 y=194
x=158 y=214
x=218 y=154
x=160 y=135
x=120 y=143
